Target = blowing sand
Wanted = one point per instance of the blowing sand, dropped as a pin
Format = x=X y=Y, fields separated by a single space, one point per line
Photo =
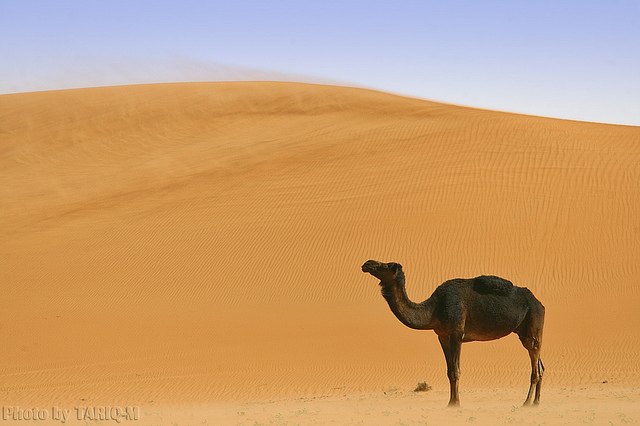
x=195 y=250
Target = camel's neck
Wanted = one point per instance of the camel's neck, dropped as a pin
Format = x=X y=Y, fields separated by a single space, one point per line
x=413 y=315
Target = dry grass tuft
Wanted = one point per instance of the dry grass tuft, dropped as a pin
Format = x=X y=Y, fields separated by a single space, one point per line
x=422 y=387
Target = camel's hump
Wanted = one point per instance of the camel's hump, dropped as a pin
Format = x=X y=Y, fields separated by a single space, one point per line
x=488 y=284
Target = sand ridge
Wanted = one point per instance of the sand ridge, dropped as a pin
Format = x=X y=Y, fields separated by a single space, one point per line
x=202 y=242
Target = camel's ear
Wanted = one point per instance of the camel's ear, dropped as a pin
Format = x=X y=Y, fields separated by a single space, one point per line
x=395 y=267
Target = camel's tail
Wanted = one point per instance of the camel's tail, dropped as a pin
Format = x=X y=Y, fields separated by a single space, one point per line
x=540 y=366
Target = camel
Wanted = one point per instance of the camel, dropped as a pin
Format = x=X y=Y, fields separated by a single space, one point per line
x=467 y=310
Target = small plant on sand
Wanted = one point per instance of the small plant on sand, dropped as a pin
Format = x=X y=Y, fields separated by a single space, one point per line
x=391 y=390
x=422 y=387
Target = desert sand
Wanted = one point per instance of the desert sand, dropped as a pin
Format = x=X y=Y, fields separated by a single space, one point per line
x=195 y=250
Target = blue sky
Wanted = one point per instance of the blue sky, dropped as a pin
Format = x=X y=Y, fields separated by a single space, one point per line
x=568 y=59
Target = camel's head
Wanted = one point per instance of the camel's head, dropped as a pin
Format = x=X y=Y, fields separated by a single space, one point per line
x=382 y=271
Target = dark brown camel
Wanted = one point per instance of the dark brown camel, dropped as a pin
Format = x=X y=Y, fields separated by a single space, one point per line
x=464 y=310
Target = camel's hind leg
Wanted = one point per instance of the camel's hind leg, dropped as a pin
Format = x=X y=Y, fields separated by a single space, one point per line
x=531 y=338
x=537 y=370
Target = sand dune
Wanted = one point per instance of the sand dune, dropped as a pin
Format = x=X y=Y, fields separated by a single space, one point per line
x=197 y=243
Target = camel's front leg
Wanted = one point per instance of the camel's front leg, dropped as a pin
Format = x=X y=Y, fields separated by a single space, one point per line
x=451 y=346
